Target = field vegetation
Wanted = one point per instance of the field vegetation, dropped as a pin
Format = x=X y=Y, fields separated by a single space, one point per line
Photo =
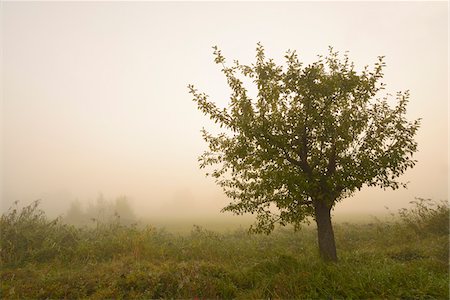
x=407 y=257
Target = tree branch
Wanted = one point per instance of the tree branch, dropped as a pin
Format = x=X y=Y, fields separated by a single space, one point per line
x=304 y=145
x=331 y=168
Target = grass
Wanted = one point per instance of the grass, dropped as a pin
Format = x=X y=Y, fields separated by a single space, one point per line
x=406 y=258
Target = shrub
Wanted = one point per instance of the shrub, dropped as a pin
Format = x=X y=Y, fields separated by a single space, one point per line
x=427 y=217
x=27 y=234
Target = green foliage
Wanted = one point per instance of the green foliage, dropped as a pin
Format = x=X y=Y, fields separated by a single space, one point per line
x=378 y=260
x=27 y=235
x=313 y=133
x=427 y=216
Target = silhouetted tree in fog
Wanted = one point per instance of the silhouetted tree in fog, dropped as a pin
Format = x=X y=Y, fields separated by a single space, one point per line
x=75 y=214
x=101 y=211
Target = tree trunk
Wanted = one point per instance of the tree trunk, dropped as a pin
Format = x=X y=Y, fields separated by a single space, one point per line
x=325 y=234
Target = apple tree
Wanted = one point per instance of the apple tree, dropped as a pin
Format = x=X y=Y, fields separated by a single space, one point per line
x=311 y=136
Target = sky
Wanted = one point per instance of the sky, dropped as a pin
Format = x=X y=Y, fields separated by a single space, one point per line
x=95 y=99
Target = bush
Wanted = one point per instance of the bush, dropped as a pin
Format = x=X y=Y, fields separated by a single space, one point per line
x=27 y=235
x=427 y=217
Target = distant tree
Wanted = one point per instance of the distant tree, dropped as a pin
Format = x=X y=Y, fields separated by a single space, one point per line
x=101 y=210
x=122 y=208
x=312 y=136
x=75 y=214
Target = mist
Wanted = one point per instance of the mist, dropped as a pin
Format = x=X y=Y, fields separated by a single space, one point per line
x=95 y=99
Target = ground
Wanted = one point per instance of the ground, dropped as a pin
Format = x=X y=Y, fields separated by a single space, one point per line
x=407 y=257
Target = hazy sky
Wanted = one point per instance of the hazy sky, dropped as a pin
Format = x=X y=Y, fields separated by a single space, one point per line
x=94 y=95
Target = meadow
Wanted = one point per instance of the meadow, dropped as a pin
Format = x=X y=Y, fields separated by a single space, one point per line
x=405 y=257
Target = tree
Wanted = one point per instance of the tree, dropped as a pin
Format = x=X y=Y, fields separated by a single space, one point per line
x=124 y=211
x=75 y=214
x=312 y=136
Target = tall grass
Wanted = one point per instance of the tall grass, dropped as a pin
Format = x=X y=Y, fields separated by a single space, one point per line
x=44 y=258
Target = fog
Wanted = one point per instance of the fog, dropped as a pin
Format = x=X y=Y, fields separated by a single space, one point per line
x=95 y=99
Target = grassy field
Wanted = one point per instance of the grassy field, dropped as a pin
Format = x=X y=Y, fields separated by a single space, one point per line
x=405 y=258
